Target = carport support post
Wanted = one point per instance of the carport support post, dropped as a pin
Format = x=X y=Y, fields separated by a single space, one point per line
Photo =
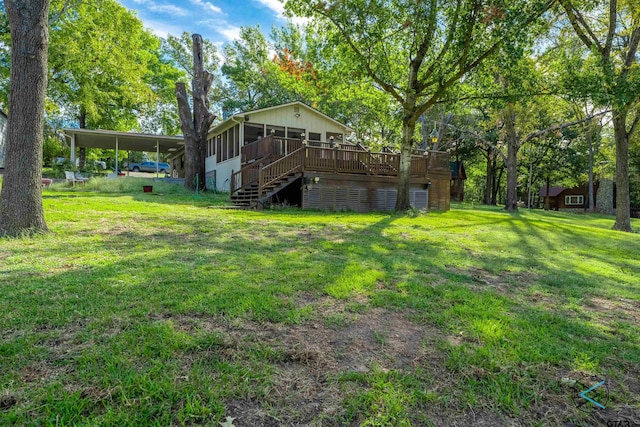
x=116 y=157
x=157 y=158
x=73 y=150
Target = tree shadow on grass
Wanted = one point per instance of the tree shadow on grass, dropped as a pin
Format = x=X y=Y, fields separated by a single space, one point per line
x=102 y=313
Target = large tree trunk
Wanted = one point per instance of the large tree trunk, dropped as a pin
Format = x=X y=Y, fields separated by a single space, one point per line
x=21 y=208
x=509 y=118
x=488 y=191
x=530 y=185
x=590 y=143
x=195 y=126
x=497 y=183
x=547 y=198
x=403 y=202
x=623 y=212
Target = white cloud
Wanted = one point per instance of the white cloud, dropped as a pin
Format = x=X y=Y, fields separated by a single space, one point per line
x=228 y=31
x=222 y=27
x=206 y=6
x=162 y=29
x=166 y=8
x=219 y=47
x=274 y=5
x=278 y=8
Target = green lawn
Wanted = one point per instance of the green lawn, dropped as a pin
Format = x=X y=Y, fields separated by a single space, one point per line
x=161 y=309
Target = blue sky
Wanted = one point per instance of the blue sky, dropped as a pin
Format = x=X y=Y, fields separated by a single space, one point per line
x=216 y=20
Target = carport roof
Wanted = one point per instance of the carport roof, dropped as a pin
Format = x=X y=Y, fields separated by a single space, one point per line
x=106 y=139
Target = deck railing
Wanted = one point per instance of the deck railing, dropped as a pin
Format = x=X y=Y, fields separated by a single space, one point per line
x=337 y=160
x=274 y=146
x=275 y=157
x=438 y=161
x=385 y=164
x=419 y=166
x=322 y=144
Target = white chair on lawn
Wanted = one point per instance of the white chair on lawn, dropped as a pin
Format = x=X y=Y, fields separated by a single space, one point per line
x=71 y=178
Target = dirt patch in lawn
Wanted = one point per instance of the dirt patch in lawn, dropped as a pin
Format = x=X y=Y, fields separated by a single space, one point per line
x=308 y=357
x=616 y=309
x=506 y=283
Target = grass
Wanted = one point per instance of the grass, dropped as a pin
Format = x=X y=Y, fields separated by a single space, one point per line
x=157 y=309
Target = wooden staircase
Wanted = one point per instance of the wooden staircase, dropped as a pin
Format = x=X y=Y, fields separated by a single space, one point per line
x=251 y=197
x=254 y=184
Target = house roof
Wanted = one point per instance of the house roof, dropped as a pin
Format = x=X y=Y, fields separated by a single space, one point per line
x=553 y=191
x=237 y=116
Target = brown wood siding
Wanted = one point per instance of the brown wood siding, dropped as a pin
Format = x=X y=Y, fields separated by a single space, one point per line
x=440 y=191
x=356 y=193
x=575 y=191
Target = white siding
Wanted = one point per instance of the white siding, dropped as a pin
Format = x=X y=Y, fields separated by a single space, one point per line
x=307 y=119
x=210 y=163
x=223 y=173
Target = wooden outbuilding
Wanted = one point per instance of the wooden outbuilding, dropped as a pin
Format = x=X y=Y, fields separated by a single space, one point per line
x=568 y=199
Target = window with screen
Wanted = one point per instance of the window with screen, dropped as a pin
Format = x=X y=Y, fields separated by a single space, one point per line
x=313 y=136
x=236 y=138
x=337 y=137
x=294 y=133
x=218 y=148
x=276 y=130
x=252 y=131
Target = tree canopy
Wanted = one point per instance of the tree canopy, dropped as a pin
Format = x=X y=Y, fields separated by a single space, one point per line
x=419 y=51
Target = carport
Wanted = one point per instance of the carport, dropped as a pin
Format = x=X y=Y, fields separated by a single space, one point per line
x=110 y=139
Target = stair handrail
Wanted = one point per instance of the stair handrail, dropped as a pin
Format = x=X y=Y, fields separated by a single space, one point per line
x=234 y=187
x=288 y=164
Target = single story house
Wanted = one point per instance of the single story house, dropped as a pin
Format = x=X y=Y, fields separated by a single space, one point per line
x=294 y=154
x=577 y=198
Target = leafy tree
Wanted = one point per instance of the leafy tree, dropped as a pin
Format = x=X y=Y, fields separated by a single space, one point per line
x=418 y=51
x=634 y=166
x=160 y=115
x=307 y=70
x=101 y=65
x=246 y=65
x=21 y=209
x=610 y=32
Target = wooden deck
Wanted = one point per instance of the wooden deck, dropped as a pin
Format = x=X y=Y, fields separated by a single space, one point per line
x=272 y=162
